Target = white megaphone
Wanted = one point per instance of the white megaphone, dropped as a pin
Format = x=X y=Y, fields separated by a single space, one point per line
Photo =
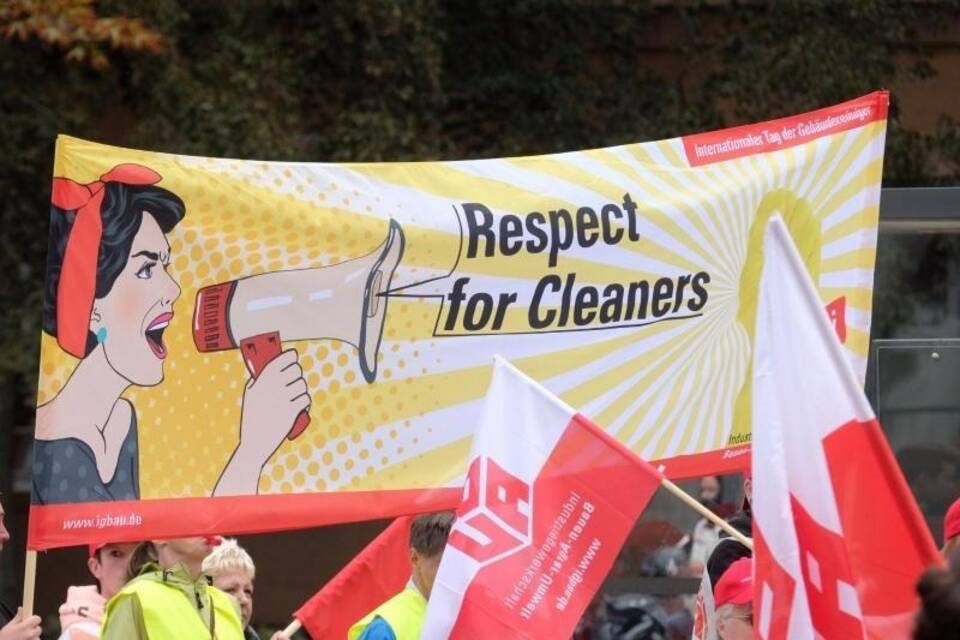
x=344 y=301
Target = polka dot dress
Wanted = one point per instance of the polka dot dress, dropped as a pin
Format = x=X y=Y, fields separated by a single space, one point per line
x=65 y=471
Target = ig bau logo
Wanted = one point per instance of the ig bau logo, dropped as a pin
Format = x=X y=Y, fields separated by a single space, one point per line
x=494 y=519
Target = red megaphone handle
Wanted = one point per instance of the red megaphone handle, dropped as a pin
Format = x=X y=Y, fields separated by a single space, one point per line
x=299 y=425
x=257 y=352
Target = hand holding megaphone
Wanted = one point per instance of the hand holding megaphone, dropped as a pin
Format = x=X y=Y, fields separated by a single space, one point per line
x=277 y=395
x=346 y=301
x=259 y=351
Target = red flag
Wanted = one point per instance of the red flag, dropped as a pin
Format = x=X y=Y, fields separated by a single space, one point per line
x=840 y=542
x=548 y=501
x=378 y=573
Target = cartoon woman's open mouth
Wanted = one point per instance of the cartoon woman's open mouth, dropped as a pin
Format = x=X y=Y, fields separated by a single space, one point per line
x=154 y=334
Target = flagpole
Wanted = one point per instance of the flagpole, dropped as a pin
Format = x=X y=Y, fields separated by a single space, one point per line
x=706 y=513
x=291 y=629
x=29 y=582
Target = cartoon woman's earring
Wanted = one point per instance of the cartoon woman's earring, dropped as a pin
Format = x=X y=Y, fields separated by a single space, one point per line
x=101 y=335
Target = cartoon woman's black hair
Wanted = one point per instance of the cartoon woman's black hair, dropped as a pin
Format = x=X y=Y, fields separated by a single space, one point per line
x=121 y=213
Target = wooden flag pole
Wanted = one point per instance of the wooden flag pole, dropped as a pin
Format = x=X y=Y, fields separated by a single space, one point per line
x=706 y=513
x=291 y=629
x=29 y=582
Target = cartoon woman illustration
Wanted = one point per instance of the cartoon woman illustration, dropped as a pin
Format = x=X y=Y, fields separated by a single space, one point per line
x=108 y=301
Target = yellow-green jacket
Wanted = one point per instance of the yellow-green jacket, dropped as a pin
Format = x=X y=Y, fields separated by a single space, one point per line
x=403 y=612
x=169 y=605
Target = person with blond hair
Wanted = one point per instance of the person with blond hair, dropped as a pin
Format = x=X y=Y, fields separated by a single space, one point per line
x=232 y=571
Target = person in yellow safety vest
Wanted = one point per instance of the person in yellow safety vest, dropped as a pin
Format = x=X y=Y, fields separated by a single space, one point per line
x=401 y=617
x=168 y=598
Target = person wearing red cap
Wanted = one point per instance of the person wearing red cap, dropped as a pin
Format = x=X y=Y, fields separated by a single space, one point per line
x=169 y=598
x=82 y=613
x=108 y=563
x=734 y=601
x=951 y=530
x=725 y=552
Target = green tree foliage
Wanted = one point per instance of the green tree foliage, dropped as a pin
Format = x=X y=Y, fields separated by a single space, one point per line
x=366 y=80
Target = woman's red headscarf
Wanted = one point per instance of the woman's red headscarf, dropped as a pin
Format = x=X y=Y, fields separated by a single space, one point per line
x=78 y=273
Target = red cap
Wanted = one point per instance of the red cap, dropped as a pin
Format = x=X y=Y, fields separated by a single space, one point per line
x=213 y=540
x=951 y=521
x=736 y=584
x=96 y=547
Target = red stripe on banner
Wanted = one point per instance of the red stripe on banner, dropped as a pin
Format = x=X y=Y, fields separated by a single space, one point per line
x=774 y=135
x=717 y=462
x=65 y=525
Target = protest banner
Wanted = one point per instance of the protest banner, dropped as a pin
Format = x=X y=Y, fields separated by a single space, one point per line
x=840 y=541
x=280 y=345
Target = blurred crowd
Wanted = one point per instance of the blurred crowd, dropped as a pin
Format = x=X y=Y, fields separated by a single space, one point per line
x=203 y=587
